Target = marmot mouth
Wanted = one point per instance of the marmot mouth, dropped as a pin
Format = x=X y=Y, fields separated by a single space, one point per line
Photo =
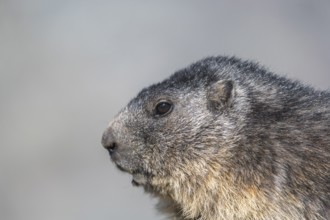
x=134 y=183
x=124 y=166
x=121 y=168
x=139 y=179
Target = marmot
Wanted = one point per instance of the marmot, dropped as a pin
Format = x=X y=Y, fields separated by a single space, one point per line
x=227 y=139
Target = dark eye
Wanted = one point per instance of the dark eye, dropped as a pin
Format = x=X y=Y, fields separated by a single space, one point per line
x=163 y=108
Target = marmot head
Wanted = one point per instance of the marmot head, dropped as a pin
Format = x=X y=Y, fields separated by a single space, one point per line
x=189 y=117
x=215 y=139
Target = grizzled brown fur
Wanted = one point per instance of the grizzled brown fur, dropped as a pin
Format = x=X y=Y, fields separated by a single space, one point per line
x=226 y=139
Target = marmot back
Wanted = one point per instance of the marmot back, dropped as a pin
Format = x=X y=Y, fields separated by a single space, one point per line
x=227 y=139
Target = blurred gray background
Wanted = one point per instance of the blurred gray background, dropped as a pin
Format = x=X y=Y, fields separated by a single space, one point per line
x=68 y=66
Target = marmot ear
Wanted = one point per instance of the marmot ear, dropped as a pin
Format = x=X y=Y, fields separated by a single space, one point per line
x=220 y=94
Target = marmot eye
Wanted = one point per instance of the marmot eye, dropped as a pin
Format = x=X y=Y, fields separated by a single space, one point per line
x=163 y=107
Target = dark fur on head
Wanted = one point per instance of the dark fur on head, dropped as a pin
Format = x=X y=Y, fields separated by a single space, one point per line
x=236 y=142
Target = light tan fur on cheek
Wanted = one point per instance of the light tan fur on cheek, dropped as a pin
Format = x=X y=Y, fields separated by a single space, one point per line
x=214 y=194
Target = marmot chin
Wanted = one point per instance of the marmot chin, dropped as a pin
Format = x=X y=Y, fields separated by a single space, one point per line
x=227 y=139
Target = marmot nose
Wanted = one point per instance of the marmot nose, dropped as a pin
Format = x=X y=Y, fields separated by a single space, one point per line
x=109 y=142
